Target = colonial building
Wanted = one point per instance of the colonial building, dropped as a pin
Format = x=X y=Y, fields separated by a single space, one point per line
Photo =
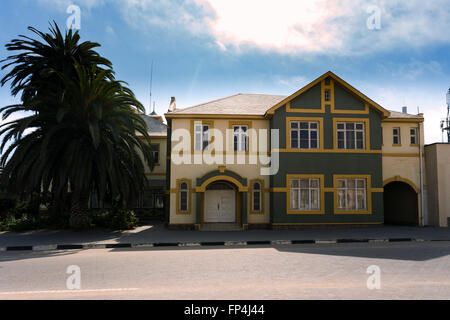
x=151 y=200
x=325 y=155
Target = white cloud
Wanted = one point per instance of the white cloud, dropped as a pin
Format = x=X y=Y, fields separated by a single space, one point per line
x=327 y=26
x=335 y=27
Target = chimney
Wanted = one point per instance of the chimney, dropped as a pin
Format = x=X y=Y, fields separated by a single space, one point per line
x=405 y=110
x=173 y=104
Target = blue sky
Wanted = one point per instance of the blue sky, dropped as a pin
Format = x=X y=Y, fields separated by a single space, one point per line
x=207 y=49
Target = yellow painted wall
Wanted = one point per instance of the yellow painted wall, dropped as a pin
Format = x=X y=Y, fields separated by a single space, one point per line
x=159 y=171
x=194 y=171
x=403 y=160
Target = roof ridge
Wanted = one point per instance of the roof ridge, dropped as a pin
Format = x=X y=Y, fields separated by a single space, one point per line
x=208 y=102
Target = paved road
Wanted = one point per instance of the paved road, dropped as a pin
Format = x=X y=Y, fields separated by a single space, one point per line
x=408 y=271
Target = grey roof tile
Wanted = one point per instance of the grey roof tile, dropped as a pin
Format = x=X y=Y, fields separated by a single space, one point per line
x=245 y=104
x=154 y=126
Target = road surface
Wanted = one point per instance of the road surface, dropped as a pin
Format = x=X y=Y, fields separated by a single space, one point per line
x=325 y=271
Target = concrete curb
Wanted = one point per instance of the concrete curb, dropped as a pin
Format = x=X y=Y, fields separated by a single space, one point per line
x=66 y=247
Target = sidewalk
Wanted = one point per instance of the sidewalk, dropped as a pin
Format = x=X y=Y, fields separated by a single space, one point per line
x=157 y=235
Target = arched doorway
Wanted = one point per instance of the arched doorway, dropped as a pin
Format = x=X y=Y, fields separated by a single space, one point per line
x=400 y=204
x=220 y=203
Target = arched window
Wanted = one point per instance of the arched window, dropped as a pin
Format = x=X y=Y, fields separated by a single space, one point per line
x=184 y=197
x=257 y=198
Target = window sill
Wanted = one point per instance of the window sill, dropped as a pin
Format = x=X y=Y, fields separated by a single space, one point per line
x=347 y=212
x=300 y=212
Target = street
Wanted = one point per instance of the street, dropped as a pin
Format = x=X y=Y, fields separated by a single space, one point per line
x=328 y=271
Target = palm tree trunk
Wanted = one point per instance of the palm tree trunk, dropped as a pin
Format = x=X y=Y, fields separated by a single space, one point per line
x=79 y=212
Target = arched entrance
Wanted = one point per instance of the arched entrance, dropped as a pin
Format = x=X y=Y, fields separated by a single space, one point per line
x=221 y=197
x=220 y=203
x=400 y=204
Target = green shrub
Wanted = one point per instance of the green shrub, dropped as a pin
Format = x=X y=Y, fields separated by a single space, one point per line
x=24 y=223
x=116 y=219
x=123 y=220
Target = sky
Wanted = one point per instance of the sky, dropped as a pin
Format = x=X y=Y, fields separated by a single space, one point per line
x=395 y=52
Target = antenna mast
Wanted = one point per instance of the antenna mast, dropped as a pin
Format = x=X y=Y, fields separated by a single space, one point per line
x=445 y=123
x=151 y=85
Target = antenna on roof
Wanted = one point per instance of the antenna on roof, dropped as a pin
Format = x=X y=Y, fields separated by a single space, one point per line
x=445 y=123
x=151 y=84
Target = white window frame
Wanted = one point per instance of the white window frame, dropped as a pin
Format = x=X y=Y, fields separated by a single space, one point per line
x=201 y=136
x=345 y=190
x=413 y=135
x=355 y=131
x=298 y=130
x=242 y=138
x=397 y=135
x=310 y=189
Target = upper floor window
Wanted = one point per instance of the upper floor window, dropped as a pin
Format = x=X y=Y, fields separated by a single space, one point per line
x=155 y=148
x=413 y=133
x=257 y=205
x=352 y=194
x=304 y=135
x=202 y=137
x=240 y=138
x=351 y=136
x=396 y=136
x=305 y=194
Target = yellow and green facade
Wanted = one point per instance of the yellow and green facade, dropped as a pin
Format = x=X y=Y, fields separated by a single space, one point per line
x=331 y=151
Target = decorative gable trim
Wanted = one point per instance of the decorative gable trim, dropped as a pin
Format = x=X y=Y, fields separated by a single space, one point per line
x=335 y=78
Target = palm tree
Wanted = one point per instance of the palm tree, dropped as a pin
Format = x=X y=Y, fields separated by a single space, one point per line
x=85 y=135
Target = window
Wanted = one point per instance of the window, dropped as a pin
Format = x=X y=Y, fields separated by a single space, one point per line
x=202 y=138
x=352 y=194
x=351 y=136
x=328 y=81
x=151 y=199
x=396 y=136
x=305 y=194
x=155 y=152
x=304 y=135
x=257 y=199
x=240 y=138
x=184 y=197
x=327 y=95
x=413 y=132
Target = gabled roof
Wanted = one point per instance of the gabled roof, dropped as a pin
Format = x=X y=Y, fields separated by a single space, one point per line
x=264 y=105
x=330 y=74
x=238 y=105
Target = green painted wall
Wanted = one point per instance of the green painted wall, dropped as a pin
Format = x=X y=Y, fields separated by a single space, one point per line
x=310 y=99
x=328 y=163
x=344 y=100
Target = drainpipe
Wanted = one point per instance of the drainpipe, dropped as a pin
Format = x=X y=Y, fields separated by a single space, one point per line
x=421 y=177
